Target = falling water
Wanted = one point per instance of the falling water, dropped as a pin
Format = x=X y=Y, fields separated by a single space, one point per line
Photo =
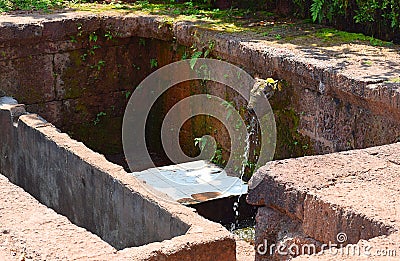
x=252 y=130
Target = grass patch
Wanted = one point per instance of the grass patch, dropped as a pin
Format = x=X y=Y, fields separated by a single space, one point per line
x=333 y=35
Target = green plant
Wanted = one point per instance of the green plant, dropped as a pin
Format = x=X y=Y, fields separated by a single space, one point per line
x=384 y=12
x=238 y=124
x=100 y=64
x=251 y=165
x=218 y=158
x=108 y=35
x=197 y=53
x=83 y=56
x=9 y=5
x=142 y=42
x=73 y=39
x=93 y=48
x=369 y=63
x=193 y=59
x=98 y=117
x=136 y=66
x=90 y=51
x=127 y=94
x=210 y=47
x=80 y=30
x=201 y=142
x=153 y=63
x=230 y=107
x=93 y=37
x=316 y=10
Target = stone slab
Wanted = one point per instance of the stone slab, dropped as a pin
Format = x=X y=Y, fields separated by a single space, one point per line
x=353 y=192
x=193 y=182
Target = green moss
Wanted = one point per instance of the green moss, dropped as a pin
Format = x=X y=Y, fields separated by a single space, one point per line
x=32 y=90
x=247 y=234
x=394 y=80
x=82 y=109
x=71 y=77
x=333 y=35
x=103 y=137
x=290 y=143
x=80 y=75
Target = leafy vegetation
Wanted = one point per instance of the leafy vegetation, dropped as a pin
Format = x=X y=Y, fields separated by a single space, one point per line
x=153 y=63
x=98 y=117
x=384 y=12
x=9 y=5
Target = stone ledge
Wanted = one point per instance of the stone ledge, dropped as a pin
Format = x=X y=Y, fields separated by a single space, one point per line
x=353 y=192
x=30 y=228
x=99 y=196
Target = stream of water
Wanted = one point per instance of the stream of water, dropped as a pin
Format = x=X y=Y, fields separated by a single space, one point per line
x=248 y=141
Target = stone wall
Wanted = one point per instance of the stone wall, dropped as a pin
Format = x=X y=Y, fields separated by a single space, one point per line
x=91 y=192
x=334 y=107
x=78 y=73
x=68 y=183
x=78 y=69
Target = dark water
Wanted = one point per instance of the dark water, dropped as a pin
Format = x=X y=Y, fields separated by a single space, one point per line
x=158 y=160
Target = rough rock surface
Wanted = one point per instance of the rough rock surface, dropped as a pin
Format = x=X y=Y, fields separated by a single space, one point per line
x=30 y=229
x=354 y=192
x=244 y=251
